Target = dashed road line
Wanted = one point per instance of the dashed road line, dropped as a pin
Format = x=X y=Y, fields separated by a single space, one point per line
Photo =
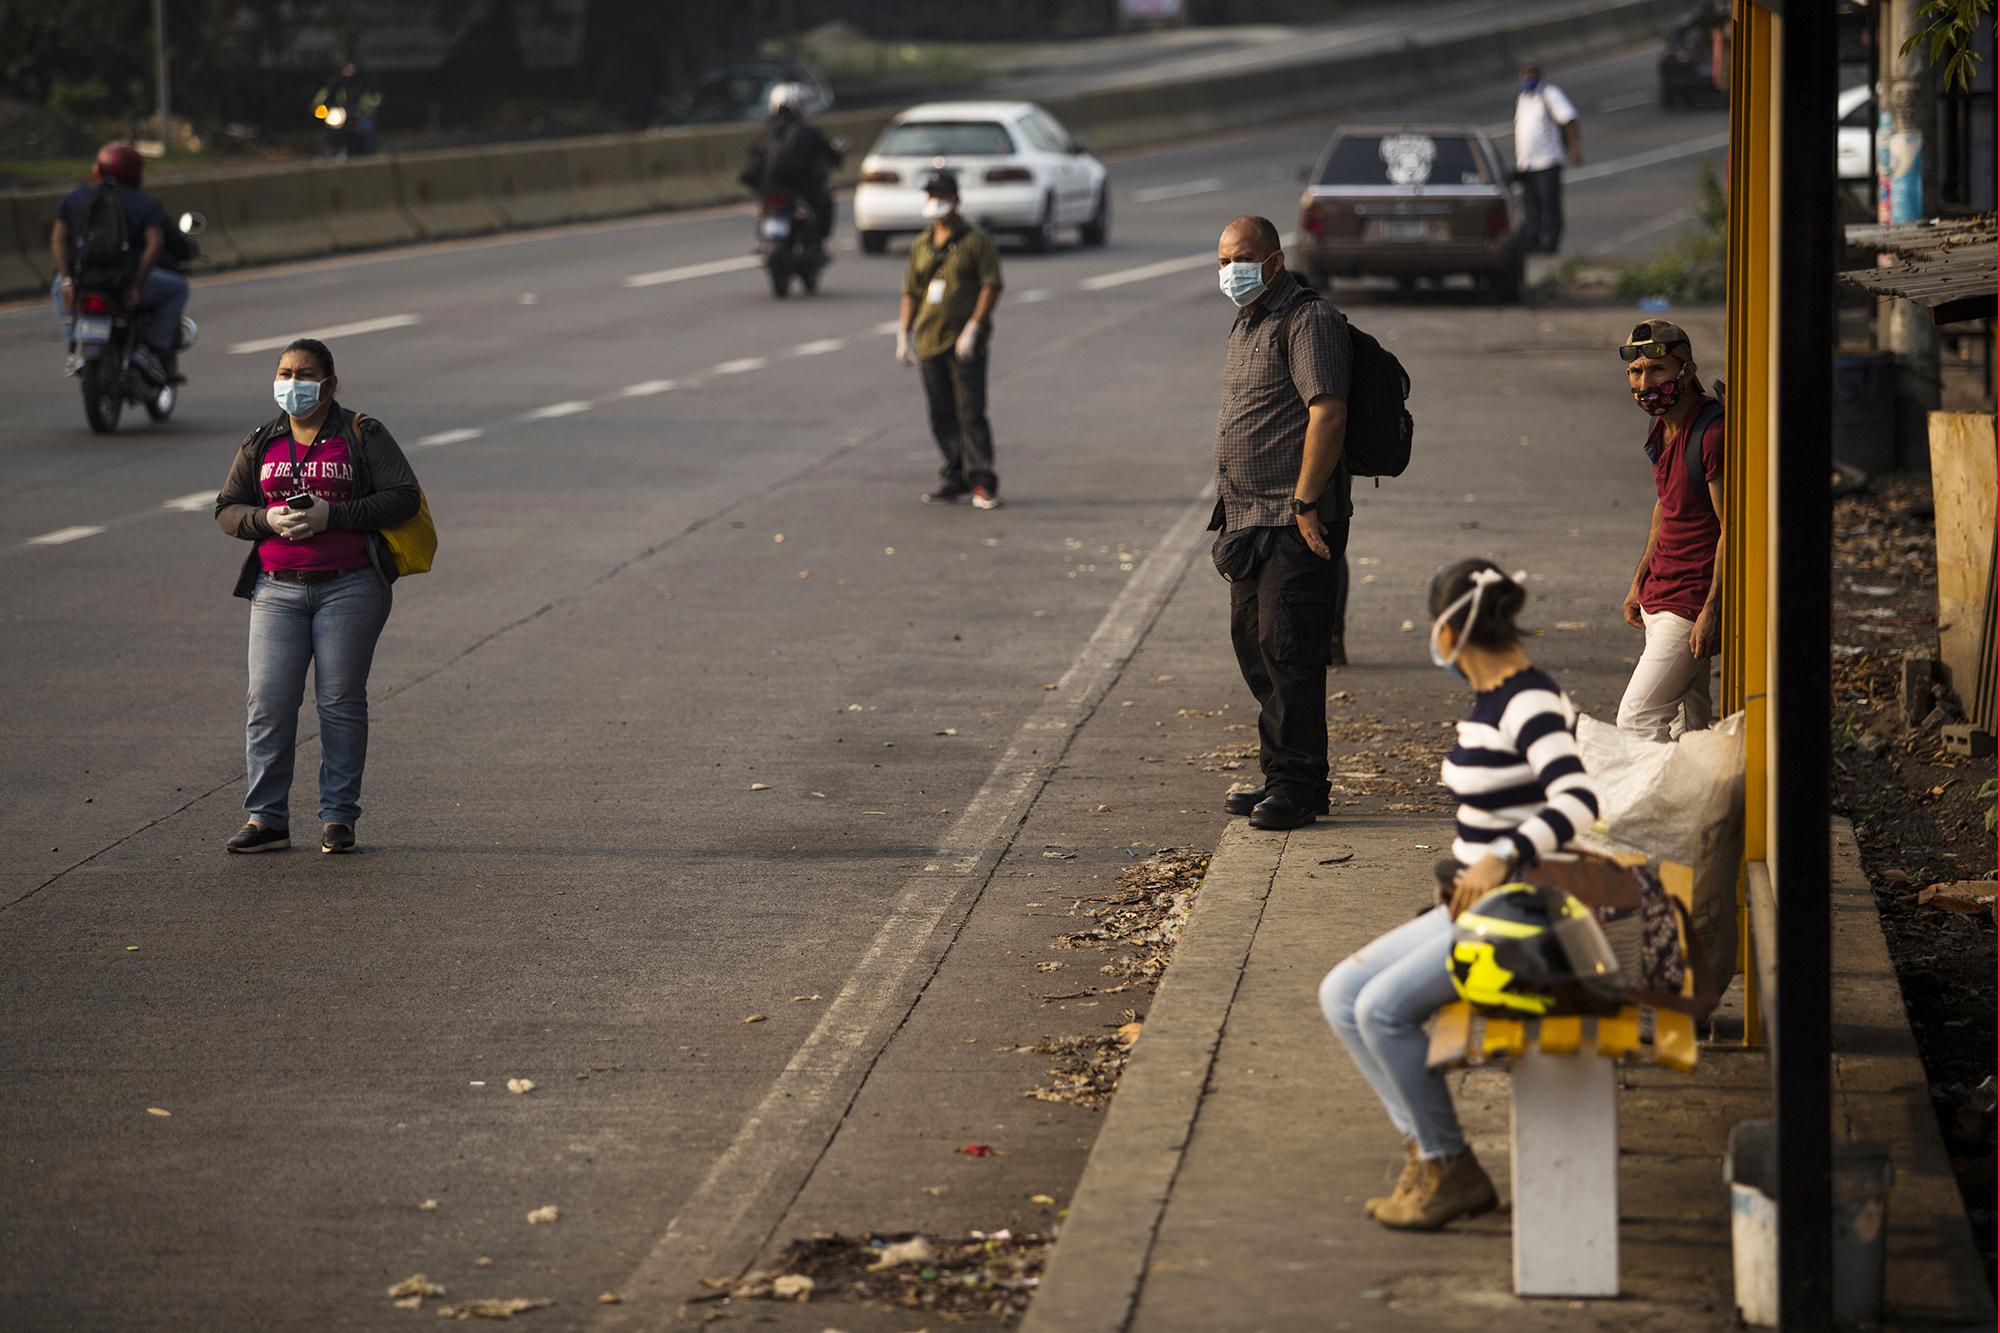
x=1631 y=102
x=886 y=326
x=194 y=502
x=819 y=347
x=564 y=409
x=687 y=271
x=358 y=327
x=63 y=536
x=458 y=436
x=1708 y=143
x=1034 y=296
x=1185 y=189
x=741 y=366
x=1160 y=269
x=647 y=388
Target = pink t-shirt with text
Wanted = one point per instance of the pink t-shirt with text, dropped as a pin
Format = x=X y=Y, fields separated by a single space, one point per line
x=326 y=469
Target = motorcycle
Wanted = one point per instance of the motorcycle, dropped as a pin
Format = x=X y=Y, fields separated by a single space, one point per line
x=103 y=339
x=788 y=238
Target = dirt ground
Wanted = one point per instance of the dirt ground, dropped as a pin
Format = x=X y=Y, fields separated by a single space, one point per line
x=1924 y=817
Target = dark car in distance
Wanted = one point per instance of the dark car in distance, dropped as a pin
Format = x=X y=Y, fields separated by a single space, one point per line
x=1409 y=201
x=728 y=94
x=1687 y=60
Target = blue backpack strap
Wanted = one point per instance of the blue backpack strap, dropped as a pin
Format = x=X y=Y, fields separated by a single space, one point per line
x=1691 y=452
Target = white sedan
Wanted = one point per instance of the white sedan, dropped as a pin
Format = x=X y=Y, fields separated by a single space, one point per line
x=1018 y=171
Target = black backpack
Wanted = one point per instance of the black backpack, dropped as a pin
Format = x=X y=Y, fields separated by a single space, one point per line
x=104 y=250
x=1379 y=427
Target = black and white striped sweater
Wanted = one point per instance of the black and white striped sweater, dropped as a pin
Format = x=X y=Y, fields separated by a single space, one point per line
x=1517 y=774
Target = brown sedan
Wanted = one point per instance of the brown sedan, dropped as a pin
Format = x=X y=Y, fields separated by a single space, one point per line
x=1412 y=201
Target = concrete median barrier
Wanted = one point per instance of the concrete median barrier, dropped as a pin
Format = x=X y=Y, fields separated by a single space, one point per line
x=674 y=171
x=605 y=178
x=529 y=186
x=24 y=243
x=273 y=215
x=445 y=194
x=362 y=206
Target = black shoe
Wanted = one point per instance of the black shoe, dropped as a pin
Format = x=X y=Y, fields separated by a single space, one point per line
x=254 y=837
x=1246 y=799
x=1278 y=812
x=948 y=494
x=337 y=838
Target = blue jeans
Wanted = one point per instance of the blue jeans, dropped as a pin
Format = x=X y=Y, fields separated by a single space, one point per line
x=333 y=627
x=165 y=294
x=1378 y=1001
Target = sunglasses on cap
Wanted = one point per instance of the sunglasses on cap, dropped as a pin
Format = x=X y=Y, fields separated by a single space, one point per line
x=1656 y=348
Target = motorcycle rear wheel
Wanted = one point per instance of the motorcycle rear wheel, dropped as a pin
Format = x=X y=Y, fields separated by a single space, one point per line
x=103 y=394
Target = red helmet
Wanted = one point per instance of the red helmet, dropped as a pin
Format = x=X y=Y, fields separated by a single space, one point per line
x=119 y=162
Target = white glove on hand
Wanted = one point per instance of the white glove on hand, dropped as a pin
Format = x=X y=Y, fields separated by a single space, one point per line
x=317 y=517
x=288 y=523
x=967 y=346
x=903 y=354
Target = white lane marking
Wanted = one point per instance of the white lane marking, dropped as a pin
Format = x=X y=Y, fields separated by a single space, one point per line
x=820 y=347
x=1643 y=230
x=459 y=436
x=723 y=1220
x=687 y=271
x=1708 y=143
x=886 y=326
x=1627 y=103
x=647 y=388
x=742 y=365
x=64 y=535
x=564 y=409
x=1033 y=297
x=194 y=502
x=1185 y=189
x=358 y=327
x=1157 y=270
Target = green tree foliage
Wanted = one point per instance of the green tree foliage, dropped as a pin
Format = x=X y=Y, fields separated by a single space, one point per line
x=1948 y=26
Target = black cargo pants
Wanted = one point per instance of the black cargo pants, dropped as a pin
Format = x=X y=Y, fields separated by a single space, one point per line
x=956 y=392
x=1281 y=618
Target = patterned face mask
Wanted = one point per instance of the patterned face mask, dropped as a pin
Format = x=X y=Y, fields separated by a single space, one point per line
x=1656 y=400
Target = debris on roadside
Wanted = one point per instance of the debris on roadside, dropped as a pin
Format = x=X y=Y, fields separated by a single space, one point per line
x=548 y=1212
x=494 y=1308
x=1141 y=922
x=986 y=1274
x=410 y=1292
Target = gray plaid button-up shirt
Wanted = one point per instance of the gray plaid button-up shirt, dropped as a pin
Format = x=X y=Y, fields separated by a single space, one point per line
x=1260 y=436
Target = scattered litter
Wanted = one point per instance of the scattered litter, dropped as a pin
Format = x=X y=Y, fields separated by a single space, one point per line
x=777 y=536
x=1128 y=1034
x=1059 y=856
x=131 y=948
x=1048 y=967
x=1102 y=810
x=410 y=1292
x=520 y=1086
x=916 y=1250
x=1572 y=624
x=760 y=786
x=1408 y=626
x=820 y=794
x=609 y=1298
x=477 y=1083
x=1048 y=685
x=1342 y=859
x=160 y=1111
x=888 y=550
x=493 y=1308
x=1044 y=1200
x=948 y=731
x=482 y=1262
x=757 y=1018
x=792 y=1287
x=981 y=1150
x=428 y=1206
x=805 y=999
x=548 y=1212
x=991 y=1274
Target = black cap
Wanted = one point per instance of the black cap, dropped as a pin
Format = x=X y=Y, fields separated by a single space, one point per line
x=942 y=183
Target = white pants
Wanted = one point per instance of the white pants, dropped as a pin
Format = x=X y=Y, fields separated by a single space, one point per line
x=1668 y=696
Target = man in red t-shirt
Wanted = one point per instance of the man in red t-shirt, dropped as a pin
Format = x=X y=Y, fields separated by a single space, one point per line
x=1676 y=591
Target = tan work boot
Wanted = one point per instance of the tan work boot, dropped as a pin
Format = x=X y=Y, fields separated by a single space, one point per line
x=1446 y=1189
x=1412 y=1158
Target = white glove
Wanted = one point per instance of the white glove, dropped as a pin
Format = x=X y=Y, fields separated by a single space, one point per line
x=288 y=523
x=903 y=354
x=967 y=346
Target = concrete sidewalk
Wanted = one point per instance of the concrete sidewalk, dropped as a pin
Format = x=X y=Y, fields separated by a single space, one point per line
x=1225 y=1189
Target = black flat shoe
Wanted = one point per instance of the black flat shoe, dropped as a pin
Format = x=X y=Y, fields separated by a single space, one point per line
x=1278 y=812
x=254 y=837
x=337 y=838
x=1245 y=799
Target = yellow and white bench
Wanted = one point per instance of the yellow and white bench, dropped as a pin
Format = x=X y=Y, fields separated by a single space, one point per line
x=1564 y=1118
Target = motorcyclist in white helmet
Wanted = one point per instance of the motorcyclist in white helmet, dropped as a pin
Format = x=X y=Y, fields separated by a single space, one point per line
x=792 y=156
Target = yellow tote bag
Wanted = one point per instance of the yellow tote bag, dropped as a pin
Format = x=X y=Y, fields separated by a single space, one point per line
x=414 y=542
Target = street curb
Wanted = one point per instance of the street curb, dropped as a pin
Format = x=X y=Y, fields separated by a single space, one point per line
x=1881 y=1095
x=1093 y=1278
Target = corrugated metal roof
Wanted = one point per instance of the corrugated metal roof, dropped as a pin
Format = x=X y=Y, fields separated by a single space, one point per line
x=1946 y=266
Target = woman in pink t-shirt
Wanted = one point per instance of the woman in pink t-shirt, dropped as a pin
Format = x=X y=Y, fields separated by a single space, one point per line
x=312 y=490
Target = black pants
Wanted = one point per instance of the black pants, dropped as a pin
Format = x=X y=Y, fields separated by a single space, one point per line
x=1280 y=620
x=1543 y=191
x=956 y=391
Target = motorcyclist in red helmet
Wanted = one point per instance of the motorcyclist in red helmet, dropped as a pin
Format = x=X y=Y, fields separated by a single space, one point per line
x=146 y=271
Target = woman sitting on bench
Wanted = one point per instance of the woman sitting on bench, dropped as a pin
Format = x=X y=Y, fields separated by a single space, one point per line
x=1522 y=793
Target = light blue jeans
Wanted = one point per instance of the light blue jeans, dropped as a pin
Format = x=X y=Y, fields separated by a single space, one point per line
x=165 y=295
x=1378 y=1001
x=332 y=627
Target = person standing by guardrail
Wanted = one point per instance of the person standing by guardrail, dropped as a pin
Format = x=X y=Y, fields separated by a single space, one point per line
x=1282 y=505
x=1523 y=793
x=1545 y=131
x=314 y=490
x=946 y=329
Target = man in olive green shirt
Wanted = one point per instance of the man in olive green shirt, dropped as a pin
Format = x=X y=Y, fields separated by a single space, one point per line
x=949 y=292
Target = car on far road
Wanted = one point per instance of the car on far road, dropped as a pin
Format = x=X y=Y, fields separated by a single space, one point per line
x=1687 y=59
x=1018 y=171
x=1409 y=201
x=1855 y=112
x=729 y=94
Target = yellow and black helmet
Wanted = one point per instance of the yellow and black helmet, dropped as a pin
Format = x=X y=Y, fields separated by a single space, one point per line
x=1536 y=950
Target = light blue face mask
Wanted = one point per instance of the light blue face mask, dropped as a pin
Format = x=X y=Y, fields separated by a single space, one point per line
x=1242 y=282
x=297 y=397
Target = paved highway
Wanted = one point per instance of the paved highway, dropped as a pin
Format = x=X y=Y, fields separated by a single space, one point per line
x=700 y=712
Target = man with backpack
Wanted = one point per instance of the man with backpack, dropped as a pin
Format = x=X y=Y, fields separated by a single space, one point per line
x=113 y=235
x=1545 y=133
x=1676 y=593
x=1282 y=507
x=794 y=157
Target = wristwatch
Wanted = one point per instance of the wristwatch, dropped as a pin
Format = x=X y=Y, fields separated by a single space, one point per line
x=1303 y=506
